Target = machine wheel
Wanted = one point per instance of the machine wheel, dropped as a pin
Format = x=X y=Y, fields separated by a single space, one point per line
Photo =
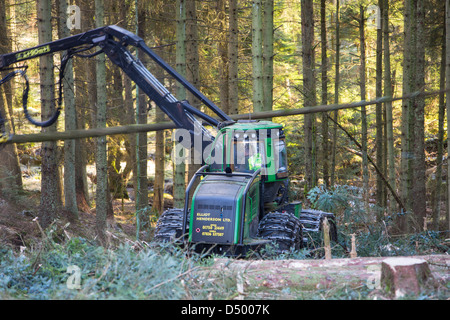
x=169 y=225
x=282 y=228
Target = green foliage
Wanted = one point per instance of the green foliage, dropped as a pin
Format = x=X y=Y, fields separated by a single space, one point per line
x=123 y=273
x=373 y=238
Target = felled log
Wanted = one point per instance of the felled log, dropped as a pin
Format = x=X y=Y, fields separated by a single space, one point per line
x=404 y=275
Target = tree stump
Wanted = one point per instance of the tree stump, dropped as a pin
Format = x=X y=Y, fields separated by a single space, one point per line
x=401 y=276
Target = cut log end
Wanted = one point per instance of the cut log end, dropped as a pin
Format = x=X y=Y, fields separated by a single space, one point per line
x=402 y=276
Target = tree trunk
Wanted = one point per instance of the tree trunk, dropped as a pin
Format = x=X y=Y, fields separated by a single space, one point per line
x=257 y=56
x=10 y=173
x=407 y=108
x=323 y=40
x=447 y=85
x=70 y=120
x=233 y=37
x=50 y=199
x=388 y=105
x=419 y=188
x=101 y=156
x=362 y=77
x=192 y=72
x=158 y=186
x=401 y=276
x=179 y=184
x=222 y=51
x=440 y=146
x=141 y=118
x=379 y=114
x=268 y=55
x=336 y=97
x=85 y=94
x=307 y=16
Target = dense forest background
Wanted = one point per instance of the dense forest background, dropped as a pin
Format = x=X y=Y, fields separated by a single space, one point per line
x=386 y=160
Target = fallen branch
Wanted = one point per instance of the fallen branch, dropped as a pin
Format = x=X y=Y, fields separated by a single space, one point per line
x=136 y=128
x=394 y=193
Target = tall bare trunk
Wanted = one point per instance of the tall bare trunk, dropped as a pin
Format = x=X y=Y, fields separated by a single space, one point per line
x=221 y=19
x=268 y=55
x=10 y=174
x=336 y=97
x=233 y=38
x=419 y=188
x=257 y=56
x=70 y=120
x=440 y=147
x=365 y=162
x=101 y=155
x=179 y=183
x=389 y=119
x=323 y=40
x=447 y=85
x=50 y=193
x=192 y=71
x=379 y=114
x=307 y=16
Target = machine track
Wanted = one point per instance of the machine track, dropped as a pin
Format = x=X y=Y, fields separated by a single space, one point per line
x=169 y=225
x=282 y=228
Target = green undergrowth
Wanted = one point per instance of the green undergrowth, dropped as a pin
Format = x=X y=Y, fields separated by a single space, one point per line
x=125 y=272
x=78 y=268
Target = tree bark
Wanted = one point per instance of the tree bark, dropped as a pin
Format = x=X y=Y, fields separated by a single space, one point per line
x=440 y=146
x=70 y=120
x=192 y=72
x=268 y=55
x=401 y=276
x=179 y=184
x=10 y=173
x=365 y=166
x=222 y=50
x=447 y=85
x=142 y=141
x=379 y=114
x=419 y=188
x=50 y=194
x=409 y=66
x=336 y=97
x=307 y=16
x=101 y=156
x=257 y=56
x=325 y=138
x=388 y=93
x=233 y=42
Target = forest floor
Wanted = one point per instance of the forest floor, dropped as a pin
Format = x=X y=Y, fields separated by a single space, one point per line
x=357 y=278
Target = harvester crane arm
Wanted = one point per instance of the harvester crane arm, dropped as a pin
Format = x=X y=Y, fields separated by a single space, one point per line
x=113 y=41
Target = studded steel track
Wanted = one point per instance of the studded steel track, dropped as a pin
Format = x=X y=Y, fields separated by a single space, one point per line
x=282 y=228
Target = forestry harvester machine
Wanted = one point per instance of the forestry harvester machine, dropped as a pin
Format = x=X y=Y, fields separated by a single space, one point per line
x=238 y=199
